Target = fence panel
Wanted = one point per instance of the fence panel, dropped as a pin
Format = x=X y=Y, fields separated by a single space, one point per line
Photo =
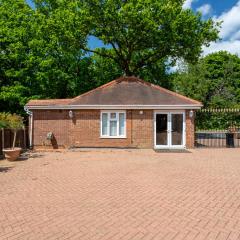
x=6 y=138
x=217 y=128
x=217 y=139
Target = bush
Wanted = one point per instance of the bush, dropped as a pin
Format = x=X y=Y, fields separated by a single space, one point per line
x=8 y=120
x=13 y=121
x=3 y=120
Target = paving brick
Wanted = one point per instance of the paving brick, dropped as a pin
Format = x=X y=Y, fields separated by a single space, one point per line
x=105 y=194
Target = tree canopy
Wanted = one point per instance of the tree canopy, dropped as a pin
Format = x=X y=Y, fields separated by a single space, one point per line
x=214 y=80
x=143 y=32
x=41 y=52
x=44 y=50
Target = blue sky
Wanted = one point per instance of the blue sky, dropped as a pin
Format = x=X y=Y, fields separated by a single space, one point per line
x=227 y=11
x=218 y=6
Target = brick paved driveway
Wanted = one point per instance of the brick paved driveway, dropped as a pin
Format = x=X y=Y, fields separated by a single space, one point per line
x=122 y=194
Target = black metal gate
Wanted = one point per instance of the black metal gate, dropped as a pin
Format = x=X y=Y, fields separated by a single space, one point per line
x=217 y=128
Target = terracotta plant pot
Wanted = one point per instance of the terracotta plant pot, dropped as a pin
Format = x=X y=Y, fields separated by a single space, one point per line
x=11 y=154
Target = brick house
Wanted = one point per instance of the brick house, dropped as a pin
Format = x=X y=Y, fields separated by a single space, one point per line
x=126 y=112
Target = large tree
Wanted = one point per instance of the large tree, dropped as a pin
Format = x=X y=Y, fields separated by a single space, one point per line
x=41 y=52
x=44 y=50
x=104 y=70
x=214 y=80
x=142 y=32
x=15 y=73
x=58 y=45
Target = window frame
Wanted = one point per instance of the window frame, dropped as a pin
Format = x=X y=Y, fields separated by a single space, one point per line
x=108 y=112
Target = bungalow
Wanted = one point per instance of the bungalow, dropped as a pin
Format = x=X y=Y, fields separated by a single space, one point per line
x=126 y=112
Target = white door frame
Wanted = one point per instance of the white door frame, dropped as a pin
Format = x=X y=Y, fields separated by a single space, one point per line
x=169 y=129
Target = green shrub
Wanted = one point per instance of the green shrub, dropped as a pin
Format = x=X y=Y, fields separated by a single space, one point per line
x=12 y=121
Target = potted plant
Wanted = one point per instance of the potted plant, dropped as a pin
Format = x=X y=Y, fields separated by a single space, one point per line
x=14 y=122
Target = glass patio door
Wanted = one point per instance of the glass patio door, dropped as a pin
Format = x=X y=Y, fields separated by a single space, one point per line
x=169 y=130
x=162 y=130
x=176 y=129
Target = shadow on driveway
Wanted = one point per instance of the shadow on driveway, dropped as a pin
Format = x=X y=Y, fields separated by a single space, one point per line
x=5 y=169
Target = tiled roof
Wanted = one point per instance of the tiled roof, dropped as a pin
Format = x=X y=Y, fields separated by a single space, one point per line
x=123 y=91
x=49 y=102
x=131 y=91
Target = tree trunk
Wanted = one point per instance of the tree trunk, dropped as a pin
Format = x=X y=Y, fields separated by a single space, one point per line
x=14 y=138
x=124 y=64
x=127 y=72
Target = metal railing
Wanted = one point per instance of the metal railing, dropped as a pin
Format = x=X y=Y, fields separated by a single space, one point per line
x=217 y=128
x=217 y=138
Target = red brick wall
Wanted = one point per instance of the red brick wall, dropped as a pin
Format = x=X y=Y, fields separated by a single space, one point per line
x=84 y=129
x=142 y=129
x=56 y=121
x=190 y=130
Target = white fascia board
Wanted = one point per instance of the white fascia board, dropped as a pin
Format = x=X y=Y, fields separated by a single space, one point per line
x=116 y=107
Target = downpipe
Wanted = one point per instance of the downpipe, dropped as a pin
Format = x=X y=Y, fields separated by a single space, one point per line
x=30 y=114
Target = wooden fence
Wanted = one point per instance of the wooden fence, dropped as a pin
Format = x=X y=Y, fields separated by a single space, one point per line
x=6 y=138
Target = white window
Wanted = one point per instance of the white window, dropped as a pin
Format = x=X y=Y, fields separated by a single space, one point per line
x=113 y=124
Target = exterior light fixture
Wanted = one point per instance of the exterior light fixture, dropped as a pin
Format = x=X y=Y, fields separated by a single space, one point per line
x=70 y=113
x=141 y=112
x=191 y=113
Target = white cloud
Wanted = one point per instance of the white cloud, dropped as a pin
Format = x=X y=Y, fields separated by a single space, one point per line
x=236 y=36
x=230 y=46
x=231 y=21
x=205 y=9
x=229 y=32
x=188 y=4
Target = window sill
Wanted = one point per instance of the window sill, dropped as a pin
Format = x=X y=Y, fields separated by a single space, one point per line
x=113 y=137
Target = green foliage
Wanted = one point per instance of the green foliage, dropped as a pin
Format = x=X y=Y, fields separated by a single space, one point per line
x=57 y=46
x=214 y=80
x=143 y=32
x=3 y=120
x=217 y=120
x=41 y=52
x=44 y=49
x=11 y=97
x=103 y=70
x=12 y=121
x=15 y=19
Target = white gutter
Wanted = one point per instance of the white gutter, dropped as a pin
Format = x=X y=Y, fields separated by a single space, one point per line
x=116 y=107
x=31 y=125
